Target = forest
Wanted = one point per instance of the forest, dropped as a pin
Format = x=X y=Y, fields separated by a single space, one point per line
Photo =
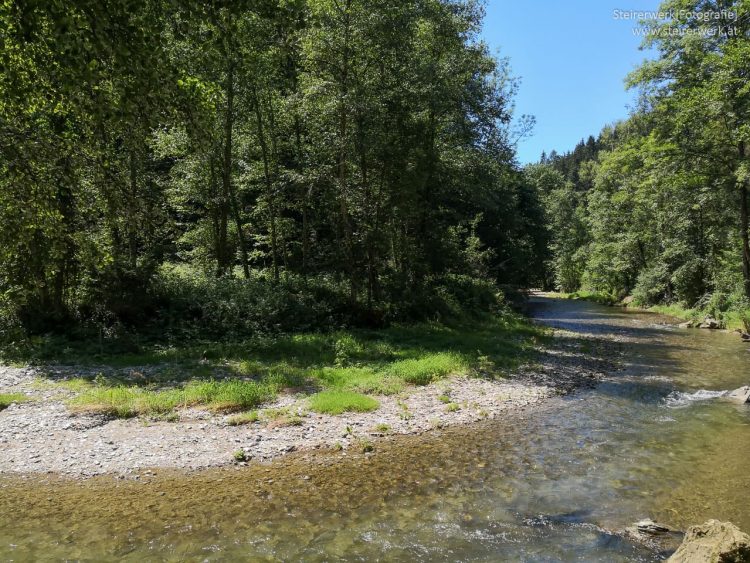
x=253 y=166
x=656 y=206
x=276 y=165
x=284 y=280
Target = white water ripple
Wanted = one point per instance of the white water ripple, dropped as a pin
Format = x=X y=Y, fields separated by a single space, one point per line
x=679 y=399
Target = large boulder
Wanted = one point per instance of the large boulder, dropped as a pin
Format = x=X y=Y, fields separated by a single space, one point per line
x=741 y=395
x=713 y=542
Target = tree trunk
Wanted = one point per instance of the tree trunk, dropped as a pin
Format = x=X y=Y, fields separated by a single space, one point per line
x=745 y=239
x=218 y=219
x=305 y=200
x=269 y=182
x=744 y=228
x=229 y=187
x=342 y=159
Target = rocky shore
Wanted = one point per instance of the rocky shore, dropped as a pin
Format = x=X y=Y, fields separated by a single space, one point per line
x=41 y=435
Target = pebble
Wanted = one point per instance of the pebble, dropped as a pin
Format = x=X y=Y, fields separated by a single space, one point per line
x=83 y=445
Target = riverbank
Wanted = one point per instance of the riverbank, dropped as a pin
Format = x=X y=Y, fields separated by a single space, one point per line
x=46 y=433
x=558 y=478
x=732 y=320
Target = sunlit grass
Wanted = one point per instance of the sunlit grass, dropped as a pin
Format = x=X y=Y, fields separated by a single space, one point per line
x=337 y=402
x=243 y=418
x=360 y=380
x=128 y=401
x=730 y=319
x=244 y=375
x=431 y=367
x=7 y=399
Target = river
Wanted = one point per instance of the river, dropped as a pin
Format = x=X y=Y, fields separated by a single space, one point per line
x=553 y=483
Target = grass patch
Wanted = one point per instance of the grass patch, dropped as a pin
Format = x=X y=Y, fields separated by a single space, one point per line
x=730 y=319
x=126 y=402
x=283 y=417
x=337 y=402
x=431 y=367
x=359 y=380
x=243 y=418
x=7 y=399
x=242 y=375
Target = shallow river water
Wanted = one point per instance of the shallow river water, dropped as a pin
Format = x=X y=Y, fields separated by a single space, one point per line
x=553 y=483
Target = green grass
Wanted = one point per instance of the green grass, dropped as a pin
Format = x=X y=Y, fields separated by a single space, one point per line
x=730 y=319
x=7 y=399
x=243 y=375
x=337 y=402
x=125 y=402
x=359 y=379
x=243 y=418
x=431 y=367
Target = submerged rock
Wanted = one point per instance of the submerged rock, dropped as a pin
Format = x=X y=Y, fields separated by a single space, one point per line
x=741 y=395
x=649 y=527
x=713 y=541
x=654 y=535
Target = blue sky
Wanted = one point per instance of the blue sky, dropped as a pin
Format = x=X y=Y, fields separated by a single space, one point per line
x=572 y=58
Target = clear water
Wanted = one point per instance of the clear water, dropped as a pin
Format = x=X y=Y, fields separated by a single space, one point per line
x=549 y=484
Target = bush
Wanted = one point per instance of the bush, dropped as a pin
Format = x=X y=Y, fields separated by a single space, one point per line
x=451 y=296
x=652 y=286
x=240 y=307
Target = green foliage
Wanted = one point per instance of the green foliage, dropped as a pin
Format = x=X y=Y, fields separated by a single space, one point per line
x=657 y=205
x=337 y=402
x=351 y=163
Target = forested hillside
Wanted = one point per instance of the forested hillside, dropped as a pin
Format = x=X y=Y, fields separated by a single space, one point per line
x=255 y=165
x=657 y=205
x=269 y=165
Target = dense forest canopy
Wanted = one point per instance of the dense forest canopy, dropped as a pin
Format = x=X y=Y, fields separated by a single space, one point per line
x=255 y=164
x=657 y=205
x=262 y=165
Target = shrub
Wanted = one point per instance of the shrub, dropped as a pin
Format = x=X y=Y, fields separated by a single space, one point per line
x=652 y=286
